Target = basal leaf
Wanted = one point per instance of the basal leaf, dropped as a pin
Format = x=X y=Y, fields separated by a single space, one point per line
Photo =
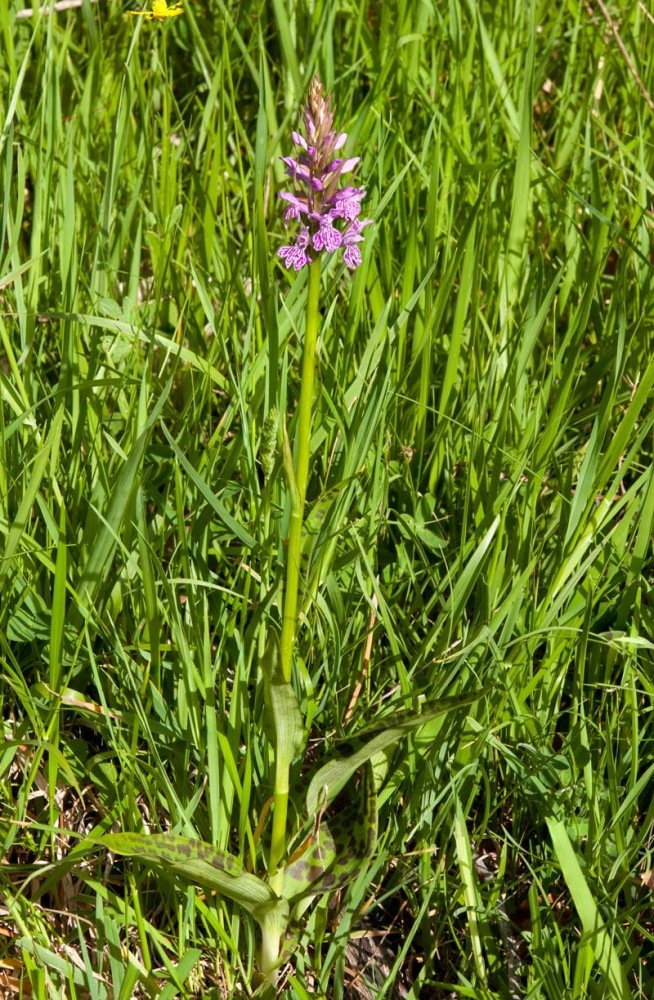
x=199 y=862
x=332 y=855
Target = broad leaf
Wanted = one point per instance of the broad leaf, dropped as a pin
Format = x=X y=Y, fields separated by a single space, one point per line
x=331 y=777
x=333 y=854
x=199 y=862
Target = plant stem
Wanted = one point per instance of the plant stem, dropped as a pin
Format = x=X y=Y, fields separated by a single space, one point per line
x=298 y=488
x=278 y=839
x=273 y=928
x=303 y=432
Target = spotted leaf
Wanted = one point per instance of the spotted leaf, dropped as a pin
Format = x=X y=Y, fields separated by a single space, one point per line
x=334 y=852
x=201 y=863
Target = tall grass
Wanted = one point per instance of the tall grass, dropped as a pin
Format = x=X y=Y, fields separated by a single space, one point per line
x=481 y=491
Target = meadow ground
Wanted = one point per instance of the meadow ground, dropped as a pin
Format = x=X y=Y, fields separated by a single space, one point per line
x=480 y=495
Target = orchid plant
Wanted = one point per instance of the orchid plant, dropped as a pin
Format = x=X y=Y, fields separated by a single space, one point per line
x=336 y=833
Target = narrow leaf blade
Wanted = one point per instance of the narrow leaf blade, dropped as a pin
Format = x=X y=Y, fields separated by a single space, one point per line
x=599 y=938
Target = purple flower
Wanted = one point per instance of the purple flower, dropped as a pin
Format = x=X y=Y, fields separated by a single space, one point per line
x=352 y=236
x=318 y=202
x=296 y=255
x=343 y=166
x=296 y=206
x=327 y=238
x=346 y=203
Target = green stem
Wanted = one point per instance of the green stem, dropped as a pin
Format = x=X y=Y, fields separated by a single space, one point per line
x=265 y=569
x=289 y=620
x=278 y=839
x=273 y=927
x=297 y=482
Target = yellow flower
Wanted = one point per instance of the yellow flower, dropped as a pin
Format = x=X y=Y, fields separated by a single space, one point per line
x=160 y=11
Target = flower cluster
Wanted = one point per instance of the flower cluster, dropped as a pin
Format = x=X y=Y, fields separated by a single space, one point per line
x=320 y=202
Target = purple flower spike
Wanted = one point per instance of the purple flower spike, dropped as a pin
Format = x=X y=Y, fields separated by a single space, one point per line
x=319 y=203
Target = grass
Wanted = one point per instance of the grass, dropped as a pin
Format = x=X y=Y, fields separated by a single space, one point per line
x=480 y=499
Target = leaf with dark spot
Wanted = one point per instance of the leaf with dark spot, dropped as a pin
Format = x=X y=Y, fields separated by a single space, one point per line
x=199 y=862
x=334 y=854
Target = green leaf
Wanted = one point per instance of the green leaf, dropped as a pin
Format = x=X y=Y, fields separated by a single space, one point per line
x=284 y=723
x=102 y=539
x=480 y=937
x=333 y=854
x=331 y=777
x=29 y=496
x=237 y=529
x=594 y=927
x=199 y=862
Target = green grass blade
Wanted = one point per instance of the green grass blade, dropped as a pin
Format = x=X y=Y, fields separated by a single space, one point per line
x=595 y=930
